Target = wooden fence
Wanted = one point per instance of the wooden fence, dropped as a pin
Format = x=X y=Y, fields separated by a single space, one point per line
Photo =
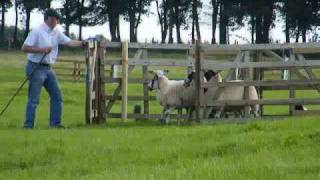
x=143 y=60
x=253 y=61
x=247 y=62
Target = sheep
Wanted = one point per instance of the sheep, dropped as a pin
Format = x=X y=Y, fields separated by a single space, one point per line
x=226 y=93
x=171 y=94
x=190 y=84
x=230 y=93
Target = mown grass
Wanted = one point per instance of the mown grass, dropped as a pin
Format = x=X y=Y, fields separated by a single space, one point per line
x=261 y=149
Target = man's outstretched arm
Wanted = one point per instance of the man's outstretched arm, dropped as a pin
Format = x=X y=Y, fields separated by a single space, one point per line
x=75 y=43
x=32 y=49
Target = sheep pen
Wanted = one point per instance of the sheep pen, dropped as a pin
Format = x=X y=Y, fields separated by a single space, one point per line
x=256 y=69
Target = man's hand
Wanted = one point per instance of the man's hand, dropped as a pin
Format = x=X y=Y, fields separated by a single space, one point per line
x=84 y=44
x=47 y=50
x=75 y=43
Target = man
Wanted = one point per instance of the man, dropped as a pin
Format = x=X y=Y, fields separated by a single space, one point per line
x=42 y=44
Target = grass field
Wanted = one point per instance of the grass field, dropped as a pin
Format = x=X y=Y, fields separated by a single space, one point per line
x=260 y=149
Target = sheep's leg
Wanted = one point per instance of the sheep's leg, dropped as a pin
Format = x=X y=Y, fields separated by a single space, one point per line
x=208 y=112
x=190 y=114
x=193 y=113
x=164 y=114
x=243 y=113
x=255 y=109
x=247 y=111
x=179 y=116
x=219 y=112
x=238 y=113
x=201 y=113
x=225 y=115
x=167 y=114
x=162 y=119
x=235 y=113
x=187 y=113
x=213 y=112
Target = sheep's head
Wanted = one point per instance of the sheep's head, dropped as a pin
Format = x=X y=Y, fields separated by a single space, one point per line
x=154 y=82
x=210 y=74
x=190 y=78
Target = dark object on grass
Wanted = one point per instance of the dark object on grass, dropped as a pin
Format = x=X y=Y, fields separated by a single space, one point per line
x=137 y=110
x=300 y=108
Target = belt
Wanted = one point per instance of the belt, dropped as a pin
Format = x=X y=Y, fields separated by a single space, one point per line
x=40 y=64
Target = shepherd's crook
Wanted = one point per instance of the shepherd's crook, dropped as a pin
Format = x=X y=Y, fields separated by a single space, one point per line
x=21 y=86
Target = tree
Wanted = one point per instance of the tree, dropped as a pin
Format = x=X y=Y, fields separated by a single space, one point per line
x=178 y=15
x=81 y=13
x=264 y=20
x=115 y=9
x=163 y=18
x=16 y=10
x=171 y=24
x=134 y=9
x=103 y=11
x=80 y=17
x=172 y=13
x=298 y=22
x=44 y=4
x=5 y=4
x=262 y=15
x=176 y=10
x=285 y=12
x=229 y=11
x=180 y=9
x=215 y=10
x=196 y=4
x=28 y=6
x=70 y=14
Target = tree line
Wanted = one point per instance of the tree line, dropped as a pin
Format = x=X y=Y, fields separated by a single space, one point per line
x=258 y=16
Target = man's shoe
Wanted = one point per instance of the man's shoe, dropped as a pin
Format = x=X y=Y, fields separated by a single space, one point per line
x=58 y=127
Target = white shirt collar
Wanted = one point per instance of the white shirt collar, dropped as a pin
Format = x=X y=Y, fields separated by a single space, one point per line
x=47 y=28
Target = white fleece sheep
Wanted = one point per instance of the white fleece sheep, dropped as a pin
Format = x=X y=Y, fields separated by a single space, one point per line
x=171 y=94
x=228 y=94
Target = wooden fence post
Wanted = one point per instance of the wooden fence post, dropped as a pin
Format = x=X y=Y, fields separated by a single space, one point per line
x=124 y=81
x=145 y=86
x=100 y=98
x=74 y=73
x=90 y=61
x=198 y=80
x=260 y=77
x=292 y=93
x=95 y=99
x=189 y=60
x=87 y=100
x=246 y=88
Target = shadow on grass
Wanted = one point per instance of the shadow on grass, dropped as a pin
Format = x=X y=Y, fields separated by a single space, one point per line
x=112 y=123
x=109 y=124
x=135 y=124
